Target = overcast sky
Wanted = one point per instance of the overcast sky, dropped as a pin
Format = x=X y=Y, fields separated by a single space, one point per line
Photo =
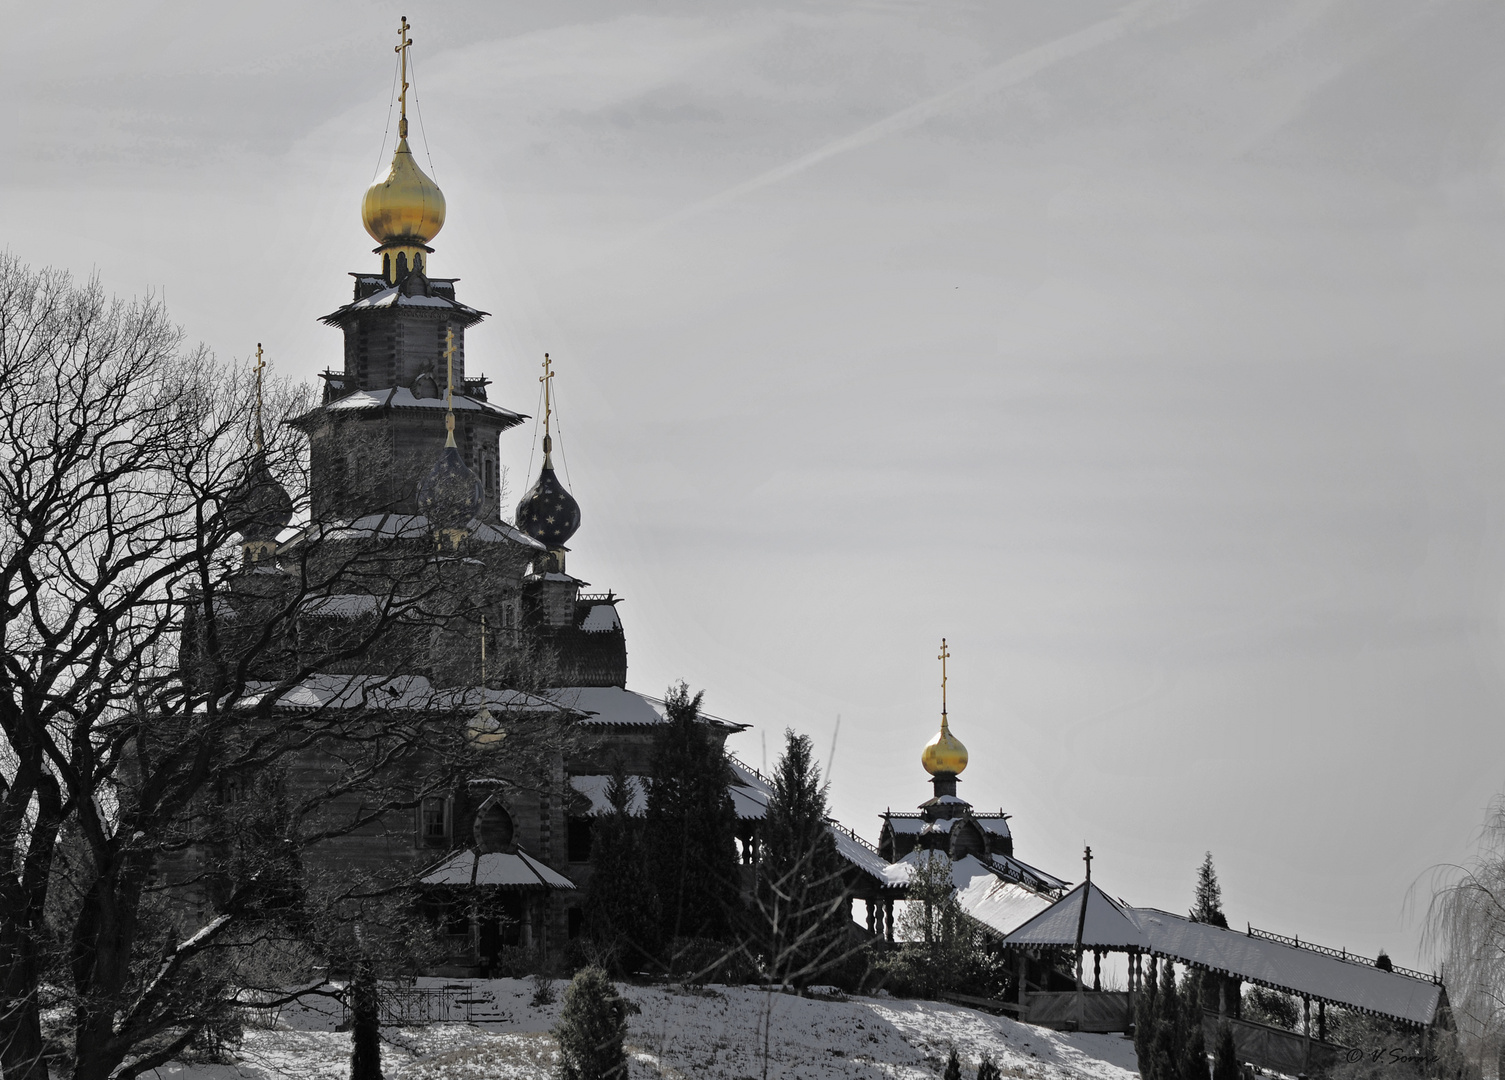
x=1149 y=353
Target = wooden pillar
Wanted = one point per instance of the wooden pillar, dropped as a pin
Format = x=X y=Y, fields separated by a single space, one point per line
x=1222 y=997
x=888 y=921
x=1322 y=1021
x=1097 y=969
x=1306 y=1031
x=872 y=917
x=1021 y=974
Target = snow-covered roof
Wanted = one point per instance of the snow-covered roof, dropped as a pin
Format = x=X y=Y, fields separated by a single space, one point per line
x=905 y=824
x=997 y=824
x=618 y=706
x=1019 y=870
x=393 y=296
x=410 y=527
x=594 y=789
x=750 y=803
x=343 y=606
x=860 y=855
x=415 y=692
x=1002 y=906
x=1349 y=983
x=506 y=870
x=400 y=397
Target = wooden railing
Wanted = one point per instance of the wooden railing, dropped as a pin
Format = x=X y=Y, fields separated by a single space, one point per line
x=1341 y=954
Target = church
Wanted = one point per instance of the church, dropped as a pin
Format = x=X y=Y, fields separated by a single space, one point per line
x=428 y=599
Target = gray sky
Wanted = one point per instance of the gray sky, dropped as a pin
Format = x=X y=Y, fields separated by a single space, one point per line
x=1150 y=353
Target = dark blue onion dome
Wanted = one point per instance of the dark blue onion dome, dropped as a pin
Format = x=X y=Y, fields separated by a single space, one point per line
x=450 y=495
x=259 y=507
x=548 y=513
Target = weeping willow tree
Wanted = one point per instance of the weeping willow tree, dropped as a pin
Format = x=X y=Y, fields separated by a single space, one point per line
x=1465 y=930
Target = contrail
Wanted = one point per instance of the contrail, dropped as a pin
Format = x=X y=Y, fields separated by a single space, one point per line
x=1009 y=72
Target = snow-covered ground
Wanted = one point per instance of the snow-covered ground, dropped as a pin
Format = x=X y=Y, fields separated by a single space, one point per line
x=710 y=1032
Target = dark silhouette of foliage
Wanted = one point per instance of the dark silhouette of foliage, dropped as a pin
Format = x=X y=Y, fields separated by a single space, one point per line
x=621 y=902
x=591 y=1028
x=953 y=1067
x=691 y=826
x=365 y=1026
x=987 y=1069
x=1225 y=1062
x=1193 y=1041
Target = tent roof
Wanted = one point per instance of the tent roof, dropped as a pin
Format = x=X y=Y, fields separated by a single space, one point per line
x=504 y=869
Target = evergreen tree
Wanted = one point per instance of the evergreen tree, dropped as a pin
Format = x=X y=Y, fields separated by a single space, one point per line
x=1144 y=1030
x=988 y=1069
x=1207 y=906
x=621 y=902
x=592 y=1027
x=1170 y=1032
x=1225 y=1063
x=1194 y=1042
x=953 y=1067
x=691 y=825
x=802 y=897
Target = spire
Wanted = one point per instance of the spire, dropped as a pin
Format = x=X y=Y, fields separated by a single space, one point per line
x=944 y=755
x=449 y=389
x=548 y=512
x=404 y=43
x=450 y=494
x=259 y=506
x=406 y=210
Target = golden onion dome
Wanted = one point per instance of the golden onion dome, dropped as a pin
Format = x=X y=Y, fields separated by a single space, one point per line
x=944 y=753
x=406 y=206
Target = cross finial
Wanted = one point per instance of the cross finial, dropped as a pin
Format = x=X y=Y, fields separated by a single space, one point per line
x=403 y=44
x=547 y=378
x=943 y=657
x=449 y=389
x=260 y=437
x=1087 y=858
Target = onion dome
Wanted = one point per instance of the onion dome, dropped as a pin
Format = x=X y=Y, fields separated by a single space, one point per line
x=406 y=207
x=548 y=512
x=259 y=507
x=450 y=494
x=944 y=753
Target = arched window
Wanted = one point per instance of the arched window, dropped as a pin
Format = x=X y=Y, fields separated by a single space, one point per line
x=493 y=826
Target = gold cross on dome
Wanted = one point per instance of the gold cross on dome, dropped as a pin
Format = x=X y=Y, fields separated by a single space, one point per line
x=403 y=44
x=546 y=378
x=943 y=657
x=260 y=364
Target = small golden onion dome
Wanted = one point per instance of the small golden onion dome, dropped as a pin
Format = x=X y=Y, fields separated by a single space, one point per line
x=944 y=753
x=406 y=206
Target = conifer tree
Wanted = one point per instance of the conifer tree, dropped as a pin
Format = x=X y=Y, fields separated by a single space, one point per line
x=1170 y=1032
x=1194 y=1043
x=621 y=901
x=988 y=1069
x=1225 y=1063
x=592 y=1027
x=1207 y=906
x=802 y=897
x=691 y=825
x=953 y=1067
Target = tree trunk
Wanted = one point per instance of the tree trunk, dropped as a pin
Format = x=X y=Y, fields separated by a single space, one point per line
x=20 y=1017
x=365 y=1026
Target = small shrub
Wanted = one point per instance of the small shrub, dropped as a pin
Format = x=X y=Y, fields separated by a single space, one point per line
x=953 y=1067
x=543 y=991
x=987 y=1069
x=591 y=1029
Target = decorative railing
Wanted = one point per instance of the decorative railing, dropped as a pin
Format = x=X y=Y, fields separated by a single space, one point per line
x=1341 y=954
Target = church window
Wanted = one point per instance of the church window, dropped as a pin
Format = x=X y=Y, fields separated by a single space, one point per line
x=435 y=822
x=579 y=839
x=493 y=827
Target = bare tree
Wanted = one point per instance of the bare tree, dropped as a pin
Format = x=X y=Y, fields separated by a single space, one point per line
x=1465 y=929
x=160 y=678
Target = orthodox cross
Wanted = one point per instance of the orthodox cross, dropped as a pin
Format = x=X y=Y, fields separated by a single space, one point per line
x=1087 y=858
x=546 y=378
x=449 y=390
x=943 y=657
x=401 y=49
x=260 y=363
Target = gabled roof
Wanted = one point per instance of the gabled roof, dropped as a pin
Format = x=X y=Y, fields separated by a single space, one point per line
x=1001 y=906
x=1348 y=983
